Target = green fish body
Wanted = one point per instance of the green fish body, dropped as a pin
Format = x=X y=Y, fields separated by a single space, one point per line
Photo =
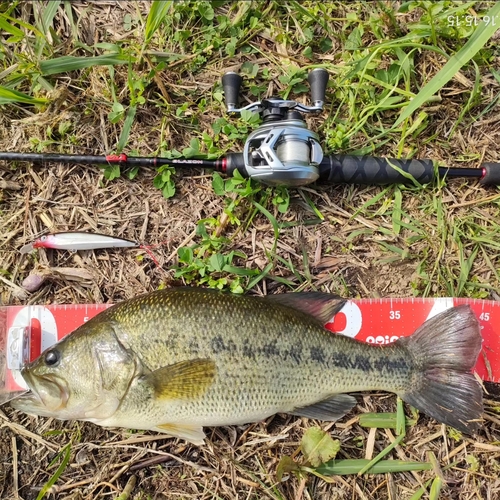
x=177 y=360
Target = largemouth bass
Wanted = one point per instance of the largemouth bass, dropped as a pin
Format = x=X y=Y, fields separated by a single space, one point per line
x=179 y=359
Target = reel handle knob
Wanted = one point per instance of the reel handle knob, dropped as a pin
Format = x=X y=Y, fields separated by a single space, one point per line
x=231 y=83
x=318 y=80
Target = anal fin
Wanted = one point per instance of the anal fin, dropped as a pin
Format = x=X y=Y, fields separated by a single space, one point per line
x=329 y=409
x=192 y=433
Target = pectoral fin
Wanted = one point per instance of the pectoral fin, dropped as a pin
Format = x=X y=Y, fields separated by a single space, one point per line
x=329 y=409
x=184 y=380
x=189 y=433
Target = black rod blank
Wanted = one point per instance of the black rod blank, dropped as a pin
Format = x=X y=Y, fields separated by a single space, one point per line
x=122 y=159
x=334 y=169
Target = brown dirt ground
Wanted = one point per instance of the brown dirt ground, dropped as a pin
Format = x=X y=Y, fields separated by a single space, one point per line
x=236 y=462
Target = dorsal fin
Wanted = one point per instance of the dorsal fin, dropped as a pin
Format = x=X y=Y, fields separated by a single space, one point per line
x=322 y=306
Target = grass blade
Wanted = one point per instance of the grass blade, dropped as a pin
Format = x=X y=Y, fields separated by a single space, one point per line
x=157 y=13
x=127 y=127
x=370 y=202
x=400 y=429
x=273 y=222
x=72 y=63
x=9 y=96
x=396 y=213
x=436 y=487
x=260 y=276
x=49 y=10
x=24 y=25
x=67 y=453
x=475 y=43
x=10 y=28
x=382 y=420
x=346 y=467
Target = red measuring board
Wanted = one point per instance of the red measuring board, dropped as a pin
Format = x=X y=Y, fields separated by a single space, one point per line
x=377 y=321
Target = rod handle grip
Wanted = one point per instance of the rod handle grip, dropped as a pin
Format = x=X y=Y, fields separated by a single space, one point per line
x=337 y=169
x=491 y=174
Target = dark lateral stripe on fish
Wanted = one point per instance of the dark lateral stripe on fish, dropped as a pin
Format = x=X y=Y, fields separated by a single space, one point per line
x=363 y=363
x=293 y=352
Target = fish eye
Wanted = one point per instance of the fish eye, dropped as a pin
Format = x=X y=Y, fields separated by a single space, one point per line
x=52 y=357
x=43 y=238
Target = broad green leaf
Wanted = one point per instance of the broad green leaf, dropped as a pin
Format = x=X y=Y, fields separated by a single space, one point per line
x=116 y=113
x=475 y=43
x=158 y=181
x=185 y=255
x=112 y=171
x=218 y=184
x=206 y=11
x=216 y=262
x=168 y=190
x=318 y=446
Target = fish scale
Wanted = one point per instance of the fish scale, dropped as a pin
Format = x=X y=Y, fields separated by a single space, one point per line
x=179 y=359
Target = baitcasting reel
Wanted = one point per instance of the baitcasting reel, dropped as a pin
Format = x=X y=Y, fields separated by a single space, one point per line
x=282 y=150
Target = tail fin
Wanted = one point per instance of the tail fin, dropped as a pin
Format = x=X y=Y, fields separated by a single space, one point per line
x=445 y=349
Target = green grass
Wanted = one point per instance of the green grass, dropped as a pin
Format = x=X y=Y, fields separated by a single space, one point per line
x=64 y=456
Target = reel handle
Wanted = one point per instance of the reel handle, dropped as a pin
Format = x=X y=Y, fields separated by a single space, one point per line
x=318 y=80
x=231 y=83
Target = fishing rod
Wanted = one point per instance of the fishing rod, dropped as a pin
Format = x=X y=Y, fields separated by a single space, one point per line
x=283 y=151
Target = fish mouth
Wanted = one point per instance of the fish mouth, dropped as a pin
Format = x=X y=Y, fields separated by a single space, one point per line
x=29 y=403
x=48 y=394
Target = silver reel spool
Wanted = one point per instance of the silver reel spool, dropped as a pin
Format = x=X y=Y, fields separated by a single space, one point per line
x=282 y=151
